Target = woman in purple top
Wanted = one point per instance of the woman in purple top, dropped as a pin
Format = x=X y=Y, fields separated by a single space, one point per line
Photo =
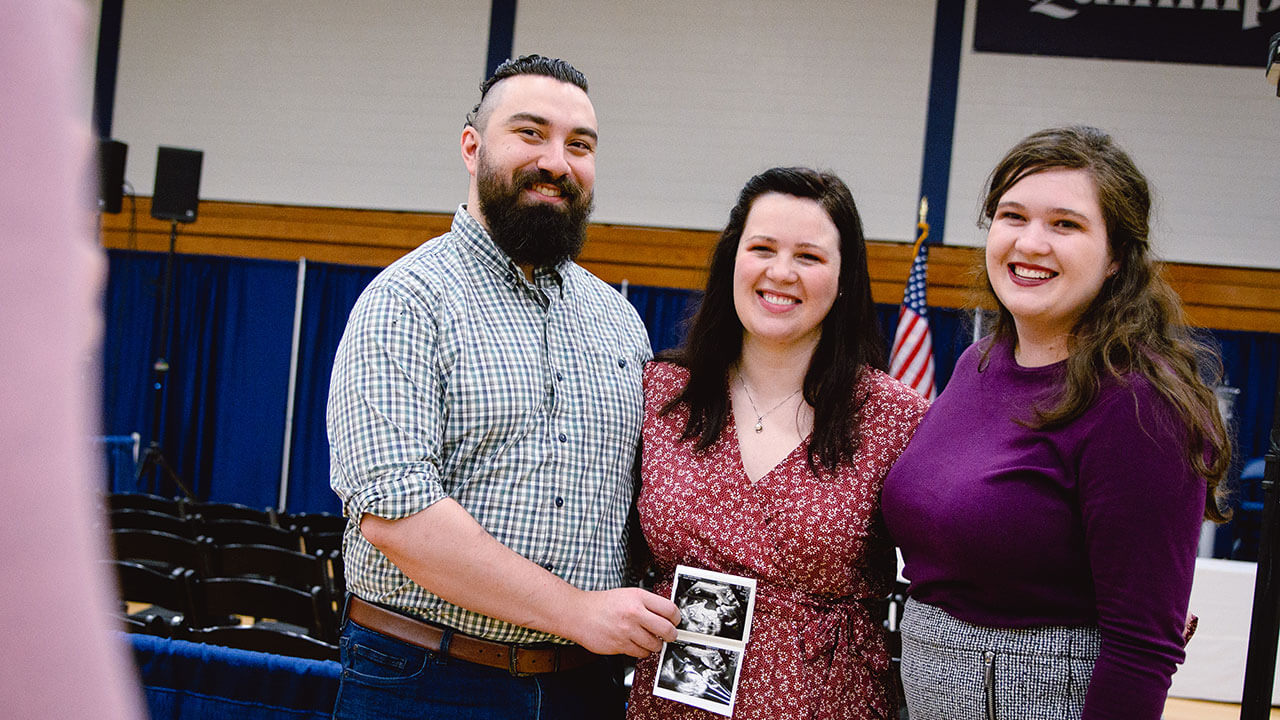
x=1049 y=505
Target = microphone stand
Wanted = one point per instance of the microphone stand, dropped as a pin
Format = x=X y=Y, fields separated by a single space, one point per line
x=1260 y=665
x=1264 y=626
x=153 y=460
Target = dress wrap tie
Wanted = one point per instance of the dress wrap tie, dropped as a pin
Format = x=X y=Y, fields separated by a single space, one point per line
x=843 y=646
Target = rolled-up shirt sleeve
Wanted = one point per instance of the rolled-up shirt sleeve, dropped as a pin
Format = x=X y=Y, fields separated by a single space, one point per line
x=386 y=407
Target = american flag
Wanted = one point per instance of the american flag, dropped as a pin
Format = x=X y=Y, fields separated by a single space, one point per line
x=911 y=360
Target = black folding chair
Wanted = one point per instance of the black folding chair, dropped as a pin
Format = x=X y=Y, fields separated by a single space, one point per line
x=145 y=501
x=232 y=511
x=248 y=532
x=337 y=575
x=892 y=620
x=169 y=594
x=318 y=522
x=319 y=531
x=161 y=550
x=152 y=625
x=298 y=570
x=150 y=520
x=269 y=604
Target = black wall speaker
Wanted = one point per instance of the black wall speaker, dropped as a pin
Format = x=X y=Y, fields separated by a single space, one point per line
x=111 y=156
x=177 y=190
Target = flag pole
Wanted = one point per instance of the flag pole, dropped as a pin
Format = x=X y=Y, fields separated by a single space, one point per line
x=911 y=352
x=922 y=226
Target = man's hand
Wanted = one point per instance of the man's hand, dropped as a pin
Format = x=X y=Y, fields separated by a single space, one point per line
x=625 y=621
x=446 y=551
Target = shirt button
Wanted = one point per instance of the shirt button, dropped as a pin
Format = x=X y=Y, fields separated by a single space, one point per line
x=559 y=377
x=622 y=362
x=559 y=502
x=549 y=567
x=563 y=437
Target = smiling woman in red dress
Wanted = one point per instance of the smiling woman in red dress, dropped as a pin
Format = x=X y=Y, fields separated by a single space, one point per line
x=767 y=438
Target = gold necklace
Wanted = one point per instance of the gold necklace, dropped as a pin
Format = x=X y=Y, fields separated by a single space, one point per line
x=759 y=415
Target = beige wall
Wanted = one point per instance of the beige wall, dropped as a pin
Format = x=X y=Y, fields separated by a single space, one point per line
x=359 y=105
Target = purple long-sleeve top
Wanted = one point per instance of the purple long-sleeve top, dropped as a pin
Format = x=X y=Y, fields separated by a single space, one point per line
x=1093 y=523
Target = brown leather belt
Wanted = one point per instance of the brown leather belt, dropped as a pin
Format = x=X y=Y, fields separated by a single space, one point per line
x=519 y=660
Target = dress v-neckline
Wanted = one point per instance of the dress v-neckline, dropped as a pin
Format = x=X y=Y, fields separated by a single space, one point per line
x=732 y=427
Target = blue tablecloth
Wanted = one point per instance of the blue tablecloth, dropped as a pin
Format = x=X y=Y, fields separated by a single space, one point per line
x=193 y=681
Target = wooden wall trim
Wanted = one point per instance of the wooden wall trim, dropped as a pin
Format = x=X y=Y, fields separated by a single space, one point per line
x=1228 y=298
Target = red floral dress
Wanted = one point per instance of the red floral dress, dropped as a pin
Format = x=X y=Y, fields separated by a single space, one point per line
x=815 y=545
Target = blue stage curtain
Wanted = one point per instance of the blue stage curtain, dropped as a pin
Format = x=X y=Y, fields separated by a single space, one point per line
x=232 y=333
x=331 y=291
x=191 y=681
x=222 y=427
x=121 y=466
x=129 y=309
x=1250 y=362
x=664 y=312
x=952 y=332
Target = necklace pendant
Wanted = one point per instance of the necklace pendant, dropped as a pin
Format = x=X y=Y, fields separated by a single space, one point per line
x=759 y=425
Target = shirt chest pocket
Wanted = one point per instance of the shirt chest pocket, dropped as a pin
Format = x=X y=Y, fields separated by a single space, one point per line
x=607 y=390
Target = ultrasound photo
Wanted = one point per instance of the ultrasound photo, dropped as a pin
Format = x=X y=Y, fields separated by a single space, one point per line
x=701 y=667
x=699 y=673
x=711 y=607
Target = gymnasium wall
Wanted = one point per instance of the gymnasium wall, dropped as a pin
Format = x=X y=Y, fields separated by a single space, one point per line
x=360 y=106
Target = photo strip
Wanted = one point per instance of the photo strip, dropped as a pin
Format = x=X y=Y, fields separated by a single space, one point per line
x=702 y=666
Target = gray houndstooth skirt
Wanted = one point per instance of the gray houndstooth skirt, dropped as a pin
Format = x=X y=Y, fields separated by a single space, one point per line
x=952 y=670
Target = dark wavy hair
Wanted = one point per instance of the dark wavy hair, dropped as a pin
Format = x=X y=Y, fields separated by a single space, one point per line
x=524 y=65
x=1136 y=323
x=850 y=338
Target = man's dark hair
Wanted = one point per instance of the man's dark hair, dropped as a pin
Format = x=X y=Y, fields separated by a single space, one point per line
x=526 y=65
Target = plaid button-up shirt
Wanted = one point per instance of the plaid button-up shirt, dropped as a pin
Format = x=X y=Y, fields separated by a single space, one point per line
x=457 y=377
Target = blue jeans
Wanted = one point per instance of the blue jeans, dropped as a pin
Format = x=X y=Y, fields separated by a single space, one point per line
x=387 y=679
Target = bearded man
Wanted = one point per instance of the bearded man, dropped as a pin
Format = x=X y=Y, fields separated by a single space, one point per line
x=484 y=419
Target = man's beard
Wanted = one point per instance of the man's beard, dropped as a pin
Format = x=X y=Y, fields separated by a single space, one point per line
x=538 y=235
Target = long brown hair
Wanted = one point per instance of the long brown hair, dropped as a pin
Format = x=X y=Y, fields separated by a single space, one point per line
x=850 y=339
x=1136 y=323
